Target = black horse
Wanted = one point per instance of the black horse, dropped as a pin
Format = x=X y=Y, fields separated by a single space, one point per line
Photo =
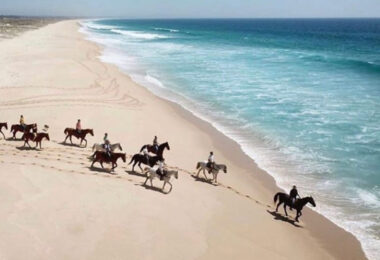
x=159 y=152
x=298 y=205
x=141 y=159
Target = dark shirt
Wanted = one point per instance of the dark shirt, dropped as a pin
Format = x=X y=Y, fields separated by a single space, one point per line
x=293 y=193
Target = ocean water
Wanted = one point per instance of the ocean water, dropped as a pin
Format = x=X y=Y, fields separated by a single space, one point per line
x=301 y=97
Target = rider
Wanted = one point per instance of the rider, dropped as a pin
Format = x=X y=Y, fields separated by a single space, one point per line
x=22 y=122
x=160 y=170
x=146 y=154
x=105 y=139
x=210 y=162
x=78 y=127
x=155 y=143
x=107 y=148
x=293 y=195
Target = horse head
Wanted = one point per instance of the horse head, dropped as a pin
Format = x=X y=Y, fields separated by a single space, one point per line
x=91 y=132
x=121 y=148
x=167 y=145
x=123 y=156
x=311 y=201
x=47 y=136
x=176 y=174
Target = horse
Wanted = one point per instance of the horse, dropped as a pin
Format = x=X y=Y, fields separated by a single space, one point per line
x=139 y=159
x=100 y=147
x=215 y=170
x=70 y=132
x=152 y=173
x=3 y=125
x=159 y=151
x=102 y=157
x=35 y=138
x=298 y=204
x=19 y=128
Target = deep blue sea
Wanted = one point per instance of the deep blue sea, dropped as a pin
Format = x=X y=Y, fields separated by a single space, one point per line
x=301 y=97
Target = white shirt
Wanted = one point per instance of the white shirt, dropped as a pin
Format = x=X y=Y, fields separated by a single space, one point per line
x=211 y=158
x=145 y=151
x=161 y=165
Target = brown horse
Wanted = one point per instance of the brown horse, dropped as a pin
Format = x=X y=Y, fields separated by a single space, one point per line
x=70 y=132
x=102 y=157
x=19 y=128
x=1 y=126
x=35 y=138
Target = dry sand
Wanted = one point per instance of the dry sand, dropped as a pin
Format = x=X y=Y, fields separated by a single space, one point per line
x=53 y=206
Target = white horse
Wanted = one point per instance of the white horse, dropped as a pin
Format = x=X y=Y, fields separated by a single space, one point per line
x=100 y=148
x=151 y=174
x=215 y=170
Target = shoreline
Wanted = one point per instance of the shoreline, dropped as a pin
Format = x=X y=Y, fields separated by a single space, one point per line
x=245 y=175
x=238 y=155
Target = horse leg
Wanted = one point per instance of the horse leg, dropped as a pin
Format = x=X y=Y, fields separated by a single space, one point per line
x=101 y=163
x=278 y=205
x=3 y=134
x=140 y=167
x=67 y=136
x=286 y=213
x=299 y=214
x=163 y=187
x=86 y=142
x=204 y=173
x=171 y=187
x=71 y=140
x=151 y=181
x=146 y=180
x=198 y=172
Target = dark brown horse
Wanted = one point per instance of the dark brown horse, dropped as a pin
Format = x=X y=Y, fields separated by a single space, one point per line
x=19 y=128
x=298 y=205
x=37 y=138
x=102 y=157
x=1 y=126
x=70 y=132
x=159 y=152
x=142 y=159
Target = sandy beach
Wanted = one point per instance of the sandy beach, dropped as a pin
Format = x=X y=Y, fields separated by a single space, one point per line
x=55 y=207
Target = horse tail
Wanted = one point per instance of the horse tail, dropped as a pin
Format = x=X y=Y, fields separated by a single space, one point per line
x=198 y=165
x=142 y=148
x=93 y=147
x=66 y=131
x=12 y=127
x=133 y=159
x=276 y=196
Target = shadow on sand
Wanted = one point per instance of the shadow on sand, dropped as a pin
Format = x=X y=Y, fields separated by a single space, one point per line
x=153 y=188
x=105 y=170
x=203 y=180
x=136 y=174
x=27 y=148
x=278 y=216
x=71 y=145
x=13 y=140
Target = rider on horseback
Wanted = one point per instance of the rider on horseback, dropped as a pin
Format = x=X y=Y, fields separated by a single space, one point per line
x=146 y=154
x=210 y=162
x=107 y=147
x=78 y=127
x=293 y=194
x=105 y=139
x=22 y=122
x=160 y=170
x=155 y=144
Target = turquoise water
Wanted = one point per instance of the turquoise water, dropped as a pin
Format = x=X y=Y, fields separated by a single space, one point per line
x=302 y=98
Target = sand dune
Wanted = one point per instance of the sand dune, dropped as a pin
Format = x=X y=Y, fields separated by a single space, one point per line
x=55 y=207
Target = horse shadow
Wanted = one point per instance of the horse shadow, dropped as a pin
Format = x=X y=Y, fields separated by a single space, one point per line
x=200 y=179
x=27 y=148
x=136 y=174
x=153 y=188
x=71 y=145
x=101 y=170
x=278 y=216
x=13 y=140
